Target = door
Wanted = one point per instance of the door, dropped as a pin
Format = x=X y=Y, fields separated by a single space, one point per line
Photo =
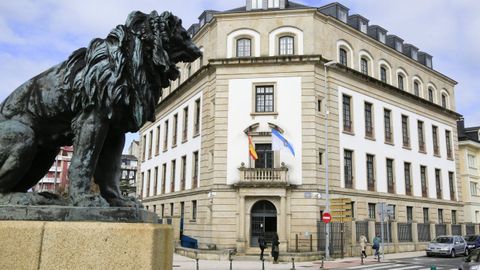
x=263 y=222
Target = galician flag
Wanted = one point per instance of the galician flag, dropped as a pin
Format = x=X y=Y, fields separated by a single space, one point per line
x=251 y=148
x=280 y=143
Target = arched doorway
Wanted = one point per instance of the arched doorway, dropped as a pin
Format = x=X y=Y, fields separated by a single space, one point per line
x=263 y=222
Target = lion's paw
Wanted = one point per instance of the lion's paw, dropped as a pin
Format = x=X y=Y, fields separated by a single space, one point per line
x=89 y=200
x=125 y=202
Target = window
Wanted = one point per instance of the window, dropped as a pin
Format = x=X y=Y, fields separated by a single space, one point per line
x=430 y=94
x=265 y=155
x=454 y=216
x=172 y=176
x=175 y=130
x=371 y=211
x=171 y=209
x=273 y=3
x=472 y=163
x=425 y=215
x=343 y=57
x=436 y=150
x=401 y=82
x=381 y=37
x=347 y=114
x=451 y=184
x=368 y=120
x=257 y=4
x=164 y=177
x=444 y=101
x=448 y=144
x=440 y=216
x=148 y=182
x=348 y=168
x=364 y=66
x=144 y=140
x=183 y=174
x=165 y=139
x=390 y=176
x=157 y=142
x=196 y=124
x=438 y=182
x=155 y=181
x=387 y=120
x=392 y=212
x=162 y=210
x=416 y=89
x=342 y=16
x=189 y=70
x=405 y=131
x=143 y=181
x=194 y=210
x=409 y=214
x=408 y=178
x=195 y=170
x=383 y=74
x=363 y=27
x=423 y=180
x=244 y=47
x=320 y=157
x=371 y=172
x=473 y=189
x=185 y=125
x=421 y=137
x=285 y=45
x=319 y=104
x=150 y=145
x=264 y=101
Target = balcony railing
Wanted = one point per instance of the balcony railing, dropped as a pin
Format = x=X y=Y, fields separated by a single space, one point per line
x=263 y=176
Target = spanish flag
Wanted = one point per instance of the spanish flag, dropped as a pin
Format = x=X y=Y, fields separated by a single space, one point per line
x=251 y=149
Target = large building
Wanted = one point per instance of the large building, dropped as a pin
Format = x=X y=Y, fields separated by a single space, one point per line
x=56 y=179
x=469 y=155
x=280 y=66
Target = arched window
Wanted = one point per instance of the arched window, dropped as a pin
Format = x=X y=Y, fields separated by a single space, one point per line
x=383 y=74
x=285 y=45
x=401 y=84
x=364 y=66
x=444 y=100
x=343 y=57
x=430 y=94
x=244 y=48
x=416 y=88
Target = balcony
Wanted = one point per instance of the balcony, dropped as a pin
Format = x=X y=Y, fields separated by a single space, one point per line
x=263 y=177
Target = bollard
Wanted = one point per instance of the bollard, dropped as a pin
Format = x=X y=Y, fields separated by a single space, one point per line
x=293 y=264
x=196 y=259
x=361 y=258
x=433 y=267
x=321 y=266
x=230 y=258
x=263 y=264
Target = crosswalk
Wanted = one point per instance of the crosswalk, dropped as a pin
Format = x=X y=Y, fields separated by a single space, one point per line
x=397 y=266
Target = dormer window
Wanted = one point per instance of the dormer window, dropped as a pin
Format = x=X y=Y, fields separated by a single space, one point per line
x=398 y=46
x=342 y=15
x=285 y=45
x=382 y=37
x=428 y=62
x=363 y=27
x=273 y=3
x=414 y=55
x=257 y=4
x=244 y=47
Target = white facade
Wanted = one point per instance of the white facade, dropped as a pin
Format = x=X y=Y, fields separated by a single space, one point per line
x=186 y=148
x=287 y=116
x=381 y=150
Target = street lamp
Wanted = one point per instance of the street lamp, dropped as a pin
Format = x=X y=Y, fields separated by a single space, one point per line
x=327 y=195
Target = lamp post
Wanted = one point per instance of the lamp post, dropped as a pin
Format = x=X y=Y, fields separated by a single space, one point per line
x=327 y=195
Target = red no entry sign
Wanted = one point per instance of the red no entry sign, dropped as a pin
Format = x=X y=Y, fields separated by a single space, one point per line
x=326 y=217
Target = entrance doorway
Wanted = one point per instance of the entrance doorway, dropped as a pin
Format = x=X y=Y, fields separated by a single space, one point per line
x=263 y=222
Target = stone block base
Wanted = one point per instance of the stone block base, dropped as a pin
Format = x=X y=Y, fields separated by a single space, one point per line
x=85 y=245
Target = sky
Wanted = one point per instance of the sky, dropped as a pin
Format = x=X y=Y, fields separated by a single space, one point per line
x=37 y=34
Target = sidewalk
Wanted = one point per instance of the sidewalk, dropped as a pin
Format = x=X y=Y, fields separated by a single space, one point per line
x=184 y=263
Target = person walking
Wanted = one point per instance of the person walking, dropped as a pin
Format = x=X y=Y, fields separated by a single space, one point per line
x=275 y=248
x=363 y=245
x=262 y=244
x=376 y=245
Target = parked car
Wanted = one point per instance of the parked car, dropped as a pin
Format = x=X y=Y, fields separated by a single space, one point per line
x=472 y=261
x=473 y=241
x=447 y=245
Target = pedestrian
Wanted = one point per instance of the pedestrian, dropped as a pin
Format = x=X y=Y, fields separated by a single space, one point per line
x=275 y=248
x=262 y=244
x=363 y=245
x=376 y=245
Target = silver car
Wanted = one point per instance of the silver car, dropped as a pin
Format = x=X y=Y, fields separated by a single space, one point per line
x=448 y=245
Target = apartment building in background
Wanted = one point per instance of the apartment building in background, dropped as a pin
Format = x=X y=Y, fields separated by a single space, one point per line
x=56 y=180
x=347 y=95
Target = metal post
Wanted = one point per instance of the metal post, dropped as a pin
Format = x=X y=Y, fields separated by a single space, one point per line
x=361 y=258
x=197 y=263
x=296 y=242
x=196 y=259
x=263 y=264
x=293 y=264
x=55 y=180
x=327 y=195
x=382 y=246
x=311 y=243
x=230 y=258
x=388 y=233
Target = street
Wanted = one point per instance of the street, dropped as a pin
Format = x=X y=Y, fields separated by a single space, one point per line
x=416 y=263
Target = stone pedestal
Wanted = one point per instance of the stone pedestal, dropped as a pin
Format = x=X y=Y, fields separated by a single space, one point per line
x=85 y=245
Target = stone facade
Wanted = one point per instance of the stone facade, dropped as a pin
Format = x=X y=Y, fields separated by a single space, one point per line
x=217 y=199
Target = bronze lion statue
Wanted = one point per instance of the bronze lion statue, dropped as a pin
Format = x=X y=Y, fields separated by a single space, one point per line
x=90 y=101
